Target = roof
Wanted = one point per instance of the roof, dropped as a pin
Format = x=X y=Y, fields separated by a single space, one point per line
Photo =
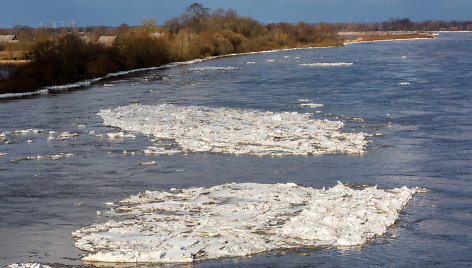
x=107 y=39
x=7 y=38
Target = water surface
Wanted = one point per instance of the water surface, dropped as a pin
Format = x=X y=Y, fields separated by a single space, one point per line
x=415 y=93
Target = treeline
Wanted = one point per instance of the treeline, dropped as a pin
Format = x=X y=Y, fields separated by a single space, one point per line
x=404 y=24
x=69 y=57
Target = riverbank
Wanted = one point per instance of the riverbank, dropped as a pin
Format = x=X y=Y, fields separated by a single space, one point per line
x=384 y=36
x=87 y=82
x=71 y=62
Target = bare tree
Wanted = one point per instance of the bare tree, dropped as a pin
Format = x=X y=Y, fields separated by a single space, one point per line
x=197 y=11
x=149 y=26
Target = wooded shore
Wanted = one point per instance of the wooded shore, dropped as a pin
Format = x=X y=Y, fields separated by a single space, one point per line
x=197 y=33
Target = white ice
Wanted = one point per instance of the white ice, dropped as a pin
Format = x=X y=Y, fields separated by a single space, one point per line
x=28 y=265
x=212 y=68
x=21 y=132
x=235 y=131
x=119 y=135
x=311 y=105
x=327 y=64
x=66 y=135
x=234 y=220
x=150 y=163
x=50 y=157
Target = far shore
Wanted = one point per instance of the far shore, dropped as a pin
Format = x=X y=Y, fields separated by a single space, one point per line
x=87 y=82
x=383 y=36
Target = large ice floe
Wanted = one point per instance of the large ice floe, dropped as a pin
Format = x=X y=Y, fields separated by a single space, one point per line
x=236 y=131
x=236 y=220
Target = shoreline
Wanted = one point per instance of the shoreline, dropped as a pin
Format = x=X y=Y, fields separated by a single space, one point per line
x=387 y=40
x=88 y=82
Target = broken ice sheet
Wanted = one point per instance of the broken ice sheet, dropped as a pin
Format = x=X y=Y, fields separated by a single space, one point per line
x=236 y=131
x=235 y=220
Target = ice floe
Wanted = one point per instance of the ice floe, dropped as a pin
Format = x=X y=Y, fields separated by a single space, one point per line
x=21 y=132
x=28 y=265
x=311 y=105
x=150 y=163
x=308 y=103
x=212 y=68
x=159 y=150
x=303 y=100
x=66 y=135
x=235 y=131
x=235 y=220
x=119 y=135
x=327 y=64
x=50 y=157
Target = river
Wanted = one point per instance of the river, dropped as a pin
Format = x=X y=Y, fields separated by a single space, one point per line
x=413 y=96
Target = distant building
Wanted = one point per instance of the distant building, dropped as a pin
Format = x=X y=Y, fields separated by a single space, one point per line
x=107 y=40
x=156 y=35
x=8 y=38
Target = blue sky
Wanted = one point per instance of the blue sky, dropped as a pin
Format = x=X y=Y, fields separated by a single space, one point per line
x=115 y=12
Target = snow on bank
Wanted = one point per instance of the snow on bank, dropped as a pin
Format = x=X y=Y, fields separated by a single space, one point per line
x=236 y=131
x=327 y=64
x=235 y=220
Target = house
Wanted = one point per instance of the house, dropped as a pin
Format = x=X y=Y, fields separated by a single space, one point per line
x=156 y=35
x=8 y=38
x=107 y=40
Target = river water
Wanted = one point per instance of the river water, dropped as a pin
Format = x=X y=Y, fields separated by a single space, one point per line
x=414 y=94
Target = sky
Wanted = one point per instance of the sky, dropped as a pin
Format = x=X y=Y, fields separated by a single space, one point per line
x=35 y=13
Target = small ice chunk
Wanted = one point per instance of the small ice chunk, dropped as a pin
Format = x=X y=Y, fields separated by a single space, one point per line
x=304 y=100
x=119 y=135
x=327 y=64
x=66 y=135
x=213 y=68
x=150 y=163
x=311 y=105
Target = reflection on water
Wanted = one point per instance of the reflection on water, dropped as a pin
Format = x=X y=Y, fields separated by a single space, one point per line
x=415 y=93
